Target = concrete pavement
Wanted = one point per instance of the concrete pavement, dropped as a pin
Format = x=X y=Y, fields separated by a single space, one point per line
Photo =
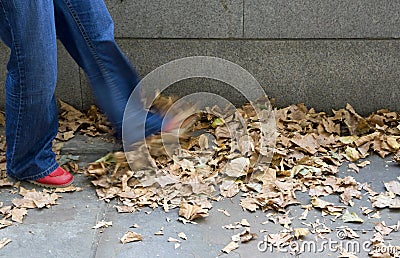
x=65 y=230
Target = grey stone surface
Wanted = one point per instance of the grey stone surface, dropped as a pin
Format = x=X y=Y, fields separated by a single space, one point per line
x=324 y=74
x=68 y=83
x=66 y=230
x=321 y=19
x=177 y=18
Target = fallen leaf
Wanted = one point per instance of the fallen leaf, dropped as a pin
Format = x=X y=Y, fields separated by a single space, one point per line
x=351 y=217
x=383 y=229
x=250 y=204
x=364 y=164
x=237 y=167
x=5 y=223
x=182 y=235
x=247 y=236
x=279 y=239
x=191 y=211
x=125 y=209
x=17 y=214
x=4 y=182
x=102 y=224
x=4 y=242
x=67 y=189
x=131 y=236
x=174 y=240
x=244 y=223
x=393 y=186
x=300 y=232
x=354 y=167
x=352 y=154
x=230 y=247
x=225 y=212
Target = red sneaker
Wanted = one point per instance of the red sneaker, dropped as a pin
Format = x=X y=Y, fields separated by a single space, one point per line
x=58 y=178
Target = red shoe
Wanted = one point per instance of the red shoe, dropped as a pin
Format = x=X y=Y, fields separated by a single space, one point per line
x=58 y=178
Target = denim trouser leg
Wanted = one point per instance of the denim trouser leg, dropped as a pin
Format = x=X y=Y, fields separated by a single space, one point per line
x=86 y=29
x=27 y=28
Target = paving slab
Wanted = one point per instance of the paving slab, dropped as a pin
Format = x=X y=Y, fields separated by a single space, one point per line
x=63 y=230
x=321 y=19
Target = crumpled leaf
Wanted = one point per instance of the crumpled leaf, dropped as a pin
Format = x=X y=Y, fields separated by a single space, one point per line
x=250 y=204
x=300 y=232
x=383 y=229
x=35 y=199
x=102 y=224
x=351 y=217
x=17 y=214
x=384 y=200
x=68 y=189
x=4 y=182
x=237 y=167
x=192 y=211
x=352 y=154
x=327 y=207
x=182 y=235
x=131 y=236
x=4 y=242
x=230 y=247
x=393 y=186
x=279 y=239
x=246 y=236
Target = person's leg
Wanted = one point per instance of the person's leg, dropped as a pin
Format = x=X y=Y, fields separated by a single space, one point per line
x=86 y=29
x=27 y=28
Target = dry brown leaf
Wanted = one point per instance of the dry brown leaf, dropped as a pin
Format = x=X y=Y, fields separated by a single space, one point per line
x=125 y=209
x=350 y=233
x=300 y=232
x=131 y=236
x=173 y=240
x=352 y=154
x=383 y=229
x=103 y=224
x=250 y=204
x=244 y=223
x=182 y=235
x=4 y=242
x=279 y=239
x=393 y=186
x=354 y=167
x=17 y=214
x=225 y=212
x=4 y=182
x=307 y=143
x=191 y=211
x=247 y=236
x=384 y=200
x=230 y=247
x=364 y=164
x=5 y=223
x=67 y=189
x=237 y=167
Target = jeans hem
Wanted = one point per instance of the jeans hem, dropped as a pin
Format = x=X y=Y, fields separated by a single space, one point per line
x=37 y=176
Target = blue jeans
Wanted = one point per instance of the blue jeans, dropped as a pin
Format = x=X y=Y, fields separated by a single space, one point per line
x=30 y=29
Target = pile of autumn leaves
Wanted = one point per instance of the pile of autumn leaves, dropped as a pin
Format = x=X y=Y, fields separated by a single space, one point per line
x=309 y=148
